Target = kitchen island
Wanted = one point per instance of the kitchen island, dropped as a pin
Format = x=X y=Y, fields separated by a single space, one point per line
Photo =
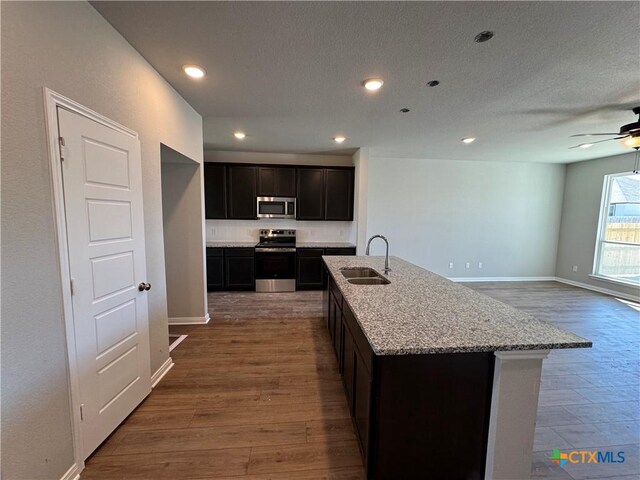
x=441 y=381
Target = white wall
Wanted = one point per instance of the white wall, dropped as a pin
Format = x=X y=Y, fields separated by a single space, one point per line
x=70 y=48
x=247 y=230
x=278 y=158
x=505 y=215
x=580 y=212
x=361 y=161
x=183 y=222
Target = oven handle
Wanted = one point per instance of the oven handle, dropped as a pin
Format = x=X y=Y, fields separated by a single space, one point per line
x=275 y=250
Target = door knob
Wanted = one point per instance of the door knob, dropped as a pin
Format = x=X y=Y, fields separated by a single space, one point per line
x=144 y=286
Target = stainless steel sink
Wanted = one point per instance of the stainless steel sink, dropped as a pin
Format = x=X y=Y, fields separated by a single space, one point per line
x=368 y=280
x=359 y=272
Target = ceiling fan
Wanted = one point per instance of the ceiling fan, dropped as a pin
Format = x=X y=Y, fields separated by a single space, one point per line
x=630 y=132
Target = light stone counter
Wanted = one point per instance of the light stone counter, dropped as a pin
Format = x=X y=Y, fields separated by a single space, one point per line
x=420 y=312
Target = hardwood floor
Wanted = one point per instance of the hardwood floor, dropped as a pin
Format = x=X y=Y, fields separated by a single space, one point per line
x=589 y=398
x=256 y=394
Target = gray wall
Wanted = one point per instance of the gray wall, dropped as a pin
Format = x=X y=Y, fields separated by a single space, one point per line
x=71 y=49
x=580 y=211
x=505 y=215
x=183 y=219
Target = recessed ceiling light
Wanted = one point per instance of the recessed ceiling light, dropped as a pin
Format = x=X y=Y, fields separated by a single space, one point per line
x=339 y=138
x=468 y=140
x=586 y=145
x=194 y=71
x=239 y=135
x=483 y=36
x=373 y=84
x=433 y=83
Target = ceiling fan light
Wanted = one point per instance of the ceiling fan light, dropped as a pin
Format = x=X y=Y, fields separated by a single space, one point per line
x=631 y=141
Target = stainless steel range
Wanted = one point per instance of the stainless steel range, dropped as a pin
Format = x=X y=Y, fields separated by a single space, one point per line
x=276 y=261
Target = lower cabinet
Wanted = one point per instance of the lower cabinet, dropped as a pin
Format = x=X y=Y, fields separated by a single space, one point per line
x=215 y=269
x=239 y=269
x=412 y=414
x=354 y=362
x=310 y=267
x=230 y=269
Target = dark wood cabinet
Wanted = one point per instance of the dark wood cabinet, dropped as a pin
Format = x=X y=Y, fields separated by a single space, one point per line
x=362 y=401
x=241 y=192
x=348 y=365
x=339 y=194
x=322 y=193
x=412 y=413
x=215 y=191
x=311 y=191
x=340 y=251
x=310 y=269
x=239 y=269
x=215 y=269
x=276 y=182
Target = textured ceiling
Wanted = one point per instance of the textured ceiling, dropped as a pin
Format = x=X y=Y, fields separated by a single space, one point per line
x=289 y=73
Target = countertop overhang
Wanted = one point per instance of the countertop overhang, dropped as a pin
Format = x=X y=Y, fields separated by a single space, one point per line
x=420 y=312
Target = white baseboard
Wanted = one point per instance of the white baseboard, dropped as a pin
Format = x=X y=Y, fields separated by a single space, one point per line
x=189 y=320
x=501 y=279
x=161 y=372
x=72 y=474
x=606 y=291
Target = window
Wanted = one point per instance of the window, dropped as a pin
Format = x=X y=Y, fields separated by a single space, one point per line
x=618 y=248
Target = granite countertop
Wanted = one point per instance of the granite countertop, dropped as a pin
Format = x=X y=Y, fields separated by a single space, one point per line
x=324 y=245
x=421 y=312
x=230 y=244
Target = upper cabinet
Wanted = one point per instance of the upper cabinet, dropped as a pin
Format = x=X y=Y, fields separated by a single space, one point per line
x=276 y=182
x=241 y=192
x=215 y=190
x=338 y=198
x=311 y=188
x=325 y=194
x=322 y=193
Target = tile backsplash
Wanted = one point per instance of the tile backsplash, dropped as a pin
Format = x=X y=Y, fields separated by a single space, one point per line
x=247 y=230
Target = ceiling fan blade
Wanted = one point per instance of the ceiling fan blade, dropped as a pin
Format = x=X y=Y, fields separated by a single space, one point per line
x=599 y=141
x=593 y=134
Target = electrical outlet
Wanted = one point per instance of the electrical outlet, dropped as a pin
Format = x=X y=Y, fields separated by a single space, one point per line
x=575 y=268
x=450 y=264
x=467 y=265
x=480 y=265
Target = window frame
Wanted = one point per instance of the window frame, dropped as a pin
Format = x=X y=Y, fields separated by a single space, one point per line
x=601 y=231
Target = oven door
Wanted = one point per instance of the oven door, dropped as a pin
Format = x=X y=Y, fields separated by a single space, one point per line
x=276 y=207
x=275 y=269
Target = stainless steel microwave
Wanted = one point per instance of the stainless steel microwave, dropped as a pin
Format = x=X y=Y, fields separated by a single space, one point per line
x=276 y=207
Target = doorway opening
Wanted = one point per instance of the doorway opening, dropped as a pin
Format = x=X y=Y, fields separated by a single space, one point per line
x=184 y=240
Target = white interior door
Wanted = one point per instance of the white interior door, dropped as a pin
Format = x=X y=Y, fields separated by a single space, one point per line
x=102 y=178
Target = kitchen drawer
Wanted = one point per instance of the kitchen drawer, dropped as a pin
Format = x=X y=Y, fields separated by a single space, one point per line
x=238 y=252
x=340 y=251
x=214 y=251
x=361 y=342
x=310 y=252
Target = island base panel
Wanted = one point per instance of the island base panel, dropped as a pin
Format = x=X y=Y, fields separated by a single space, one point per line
x=431 y=416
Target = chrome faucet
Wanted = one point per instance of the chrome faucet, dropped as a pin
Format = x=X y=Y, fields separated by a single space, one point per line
x=386 y=259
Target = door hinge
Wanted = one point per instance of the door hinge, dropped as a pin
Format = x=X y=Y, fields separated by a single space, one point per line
x=82 y=411
x=63 y=151
x=72 y=289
